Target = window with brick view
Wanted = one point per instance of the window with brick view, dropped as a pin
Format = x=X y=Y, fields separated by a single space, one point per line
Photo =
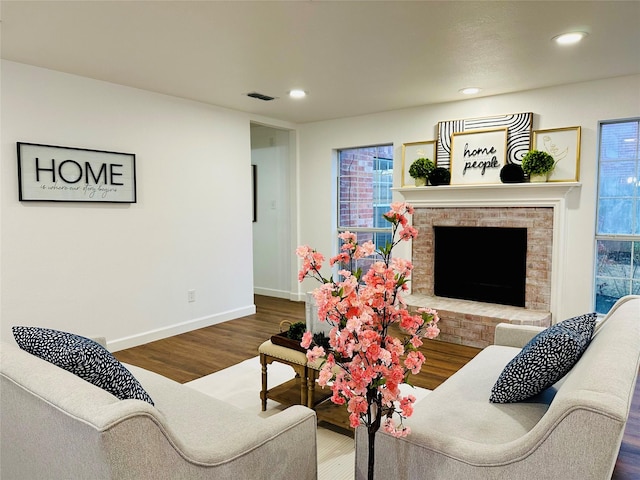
x=365 y=178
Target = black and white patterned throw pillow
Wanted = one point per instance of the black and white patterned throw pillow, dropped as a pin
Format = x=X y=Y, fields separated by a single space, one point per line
x=544 y=360
x=83 y=357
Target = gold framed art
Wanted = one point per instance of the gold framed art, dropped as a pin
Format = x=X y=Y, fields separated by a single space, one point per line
x=413 y=151
x=563 y=144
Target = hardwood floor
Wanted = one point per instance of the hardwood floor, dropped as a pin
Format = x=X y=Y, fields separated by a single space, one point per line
x=198 y=353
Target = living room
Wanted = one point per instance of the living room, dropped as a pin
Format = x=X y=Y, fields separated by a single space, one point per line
x=128 y=267
x=124 y=271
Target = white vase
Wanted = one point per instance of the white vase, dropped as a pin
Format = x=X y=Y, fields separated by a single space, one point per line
x=538 y=178
x=420 y=181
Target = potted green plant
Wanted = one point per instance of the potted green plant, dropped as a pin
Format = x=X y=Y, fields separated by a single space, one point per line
x=296 y=330
x=538 y=164
x=420 y=170
x=440 y=176
x=291 y=337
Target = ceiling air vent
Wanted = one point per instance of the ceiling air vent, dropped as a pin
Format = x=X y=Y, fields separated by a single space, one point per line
x=260 y=96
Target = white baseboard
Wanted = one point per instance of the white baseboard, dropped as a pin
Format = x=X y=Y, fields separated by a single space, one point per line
x=177 y=329
x=297 y=297
x=271 y=292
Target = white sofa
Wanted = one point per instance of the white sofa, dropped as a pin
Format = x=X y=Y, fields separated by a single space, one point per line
x=572 y=431
x=54 y=425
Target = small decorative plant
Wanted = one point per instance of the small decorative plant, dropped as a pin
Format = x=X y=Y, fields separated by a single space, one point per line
x=321 y=340
x=421 y=168
x=296 y=330
x=440 y=176
x=537 y=162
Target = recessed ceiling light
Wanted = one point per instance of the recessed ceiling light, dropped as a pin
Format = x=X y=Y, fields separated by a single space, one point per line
x=469 y=90
x=297 y=94
x=569 y=38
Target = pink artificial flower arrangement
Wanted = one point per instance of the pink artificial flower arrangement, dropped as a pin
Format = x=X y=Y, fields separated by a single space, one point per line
x=364 y=364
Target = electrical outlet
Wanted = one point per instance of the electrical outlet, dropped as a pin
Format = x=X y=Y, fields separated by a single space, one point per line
x=191 y=295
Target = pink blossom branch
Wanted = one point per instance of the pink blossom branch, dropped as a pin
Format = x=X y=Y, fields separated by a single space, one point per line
x=365 y=363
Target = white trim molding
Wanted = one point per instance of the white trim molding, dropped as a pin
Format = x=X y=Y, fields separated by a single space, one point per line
x=549 y=194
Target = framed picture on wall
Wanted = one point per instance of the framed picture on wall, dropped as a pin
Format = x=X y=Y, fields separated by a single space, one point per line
x=563 y=144
x=254 y=191
x=413 y=151
x=477 y=156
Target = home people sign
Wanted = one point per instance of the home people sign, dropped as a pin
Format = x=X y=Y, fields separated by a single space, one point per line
x=477 y=156
x=64 y=174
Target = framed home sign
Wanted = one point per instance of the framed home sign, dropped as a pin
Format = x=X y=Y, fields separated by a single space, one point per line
x=63 y=174
x=477 y=156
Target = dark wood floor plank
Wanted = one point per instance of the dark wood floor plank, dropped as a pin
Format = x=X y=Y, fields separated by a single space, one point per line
x=198 y=353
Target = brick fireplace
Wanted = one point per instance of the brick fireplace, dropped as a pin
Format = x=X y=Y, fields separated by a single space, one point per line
x=537 y=220
x=539 y=208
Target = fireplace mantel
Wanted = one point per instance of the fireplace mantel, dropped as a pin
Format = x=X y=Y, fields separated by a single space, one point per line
x=498 y=195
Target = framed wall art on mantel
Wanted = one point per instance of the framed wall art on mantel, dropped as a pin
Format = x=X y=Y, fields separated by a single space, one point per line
x=518 y=126
x=477 y=156
x=64 y=174
x=563 y=144
x=410 y=153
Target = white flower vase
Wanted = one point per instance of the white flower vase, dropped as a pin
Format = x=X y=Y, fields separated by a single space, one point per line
x=420 y=181
x=538 y=178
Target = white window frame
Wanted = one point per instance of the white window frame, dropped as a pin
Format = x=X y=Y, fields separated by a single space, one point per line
x=615 y=237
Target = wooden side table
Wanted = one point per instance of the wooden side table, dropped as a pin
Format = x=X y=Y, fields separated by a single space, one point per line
x=270 y=353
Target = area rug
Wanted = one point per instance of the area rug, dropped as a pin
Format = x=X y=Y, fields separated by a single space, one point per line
x=240 y=385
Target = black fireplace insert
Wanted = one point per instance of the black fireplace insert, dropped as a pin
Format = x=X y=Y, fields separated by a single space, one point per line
x=485 y=264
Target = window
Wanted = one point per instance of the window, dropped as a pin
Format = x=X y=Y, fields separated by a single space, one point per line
x=365 y=178
x=618 y=222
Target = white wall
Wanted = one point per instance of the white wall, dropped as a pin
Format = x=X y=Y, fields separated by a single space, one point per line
x=123 y=271
x=581 y=104
x=272 y=249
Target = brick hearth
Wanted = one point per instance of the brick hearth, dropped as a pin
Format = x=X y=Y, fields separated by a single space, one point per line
x=472 y=323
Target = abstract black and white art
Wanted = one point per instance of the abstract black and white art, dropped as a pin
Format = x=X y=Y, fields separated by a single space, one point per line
x=519 y=127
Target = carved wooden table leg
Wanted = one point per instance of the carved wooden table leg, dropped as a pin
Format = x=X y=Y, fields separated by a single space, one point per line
x=263 y=392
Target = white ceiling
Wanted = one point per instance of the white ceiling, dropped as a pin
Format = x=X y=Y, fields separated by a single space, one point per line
x=352 y=57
